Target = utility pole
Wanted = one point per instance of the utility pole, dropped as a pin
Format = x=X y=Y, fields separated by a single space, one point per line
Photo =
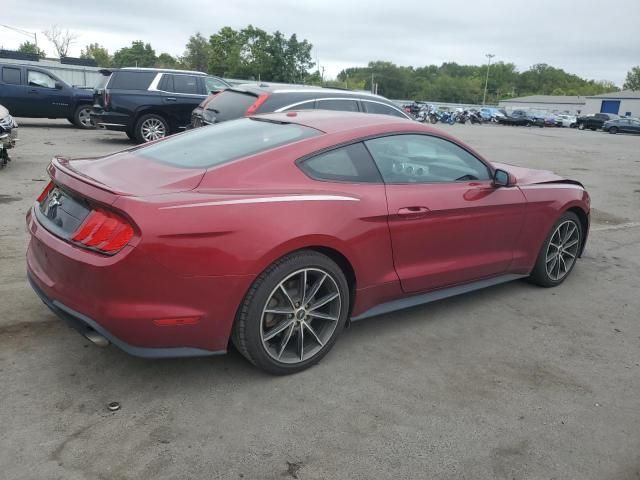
x=24 y=32
x=372 y=83
x=486 y=81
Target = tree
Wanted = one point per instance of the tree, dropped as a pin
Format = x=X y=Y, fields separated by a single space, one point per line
x=632 y=81
x=196 y=55
x=29 y=47
x=97 y=53
x=61 y=40
x=165 y=60
x=138 y=54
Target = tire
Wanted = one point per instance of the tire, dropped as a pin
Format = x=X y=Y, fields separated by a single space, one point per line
x=581 y=126
x=543 y=271
x=281 y=354
x=131 y=135
x=150 y=127
x=82 y=119
x=613 y=130
x=528 y=124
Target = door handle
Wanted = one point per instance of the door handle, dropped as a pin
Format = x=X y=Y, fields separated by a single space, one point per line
x=413 y=212
x=170 y=99
x=33 y=90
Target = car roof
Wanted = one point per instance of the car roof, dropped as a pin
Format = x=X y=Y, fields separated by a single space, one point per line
x=334 y=121
x=276 y=89
x=109 y=71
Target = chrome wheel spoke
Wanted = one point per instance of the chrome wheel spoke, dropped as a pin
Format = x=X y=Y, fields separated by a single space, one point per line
x=303 y=286
x=562 y=250
x=301 y=342
x=323 y=301
x=314 y=289
x=277 y=329
x=313 y=333
x=323 y=316
x=279 y=311
x=571 y=244
x=286 y=339
x=287 y=296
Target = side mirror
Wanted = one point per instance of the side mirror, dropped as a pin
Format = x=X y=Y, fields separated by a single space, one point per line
x=58 y=85
x=501 y=178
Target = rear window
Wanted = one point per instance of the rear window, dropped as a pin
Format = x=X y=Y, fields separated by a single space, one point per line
x=230 y=104
x=131 y=80
x=221 y=143
x=11 y=75
x=102 y=82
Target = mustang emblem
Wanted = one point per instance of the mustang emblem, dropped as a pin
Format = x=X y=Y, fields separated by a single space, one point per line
x=54 y=201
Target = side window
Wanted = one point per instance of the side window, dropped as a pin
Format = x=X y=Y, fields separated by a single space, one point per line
x=39 y=79
x=381 y=108
x=346 y=164
x=11 y=75
x=339 y=104
x=424 y=159
x=302 y=106
x=185 y=84
x=213 y=84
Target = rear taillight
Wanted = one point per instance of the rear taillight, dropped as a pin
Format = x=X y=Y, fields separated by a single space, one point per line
x=256 y=105
x=104 y=231
x=45 y=192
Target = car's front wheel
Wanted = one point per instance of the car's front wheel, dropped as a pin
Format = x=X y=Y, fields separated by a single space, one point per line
x=293 y=313
x=151 y=127
x=581 y=126
x=613 y=130
x=559 y=253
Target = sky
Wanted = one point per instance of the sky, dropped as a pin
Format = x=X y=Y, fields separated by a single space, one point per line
x=593 y=39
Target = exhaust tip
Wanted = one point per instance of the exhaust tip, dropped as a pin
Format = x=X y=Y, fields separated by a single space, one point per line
x=96 y=338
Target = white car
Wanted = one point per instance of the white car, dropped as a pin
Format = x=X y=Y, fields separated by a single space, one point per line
x=564 y=120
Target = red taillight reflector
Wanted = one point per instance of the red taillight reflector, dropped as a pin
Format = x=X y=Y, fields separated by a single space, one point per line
x=46 y=191
x=104 y=231
x=176 y=322
x=256 y=105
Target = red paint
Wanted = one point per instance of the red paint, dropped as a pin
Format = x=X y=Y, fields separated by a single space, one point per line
x=198 y=262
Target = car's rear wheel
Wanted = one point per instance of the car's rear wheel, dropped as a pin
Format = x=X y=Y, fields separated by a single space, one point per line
x=82 y=117
x=559 y=252
x=613 y=130
x=131 y=134
x=151 y=127
x=293 y=313
x=581 y=126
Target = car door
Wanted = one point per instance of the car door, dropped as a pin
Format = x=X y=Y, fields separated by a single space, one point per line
x=43 y=99
x=180 y=95
x=634 y=125
x=448 y=223
x=12 y=89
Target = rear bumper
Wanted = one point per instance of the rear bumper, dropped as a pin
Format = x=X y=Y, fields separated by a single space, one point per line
x=111 y=121
x=88 y=327
x=131 y=299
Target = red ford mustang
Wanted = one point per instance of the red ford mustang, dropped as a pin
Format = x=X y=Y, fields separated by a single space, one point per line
x=273 y=231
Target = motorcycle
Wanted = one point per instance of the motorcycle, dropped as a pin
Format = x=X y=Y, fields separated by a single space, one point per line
x=8 y=135
x=476 y=118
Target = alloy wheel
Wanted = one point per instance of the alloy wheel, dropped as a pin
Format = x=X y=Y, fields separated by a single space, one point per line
x=562 y=250
x=153 y=129
x=300 y=315
x=84 y=118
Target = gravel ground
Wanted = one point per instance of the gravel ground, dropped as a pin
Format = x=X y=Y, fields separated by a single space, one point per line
x=513 y=382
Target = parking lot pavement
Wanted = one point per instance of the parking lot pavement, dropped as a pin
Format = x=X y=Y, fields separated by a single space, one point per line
x=513 y=382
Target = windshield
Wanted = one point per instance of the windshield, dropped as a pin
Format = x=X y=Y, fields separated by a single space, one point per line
x=221 y=143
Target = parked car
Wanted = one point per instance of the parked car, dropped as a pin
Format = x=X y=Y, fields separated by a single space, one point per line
x=150 y=103
x=522 y=117
x=565 y=120
x=595 y=121
x=237 y=102
x=34 y=92
x=622 y=125
x=8 y=135
x=274 y=230
x=491 y=114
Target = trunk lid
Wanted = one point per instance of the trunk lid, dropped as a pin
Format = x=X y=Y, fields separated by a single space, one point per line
x=127 y=173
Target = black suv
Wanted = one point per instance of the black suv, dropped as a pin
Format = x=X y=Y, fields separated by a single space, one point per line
x=595 y=121
x=150 y=103
x=522 y=117
x=236 y=102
